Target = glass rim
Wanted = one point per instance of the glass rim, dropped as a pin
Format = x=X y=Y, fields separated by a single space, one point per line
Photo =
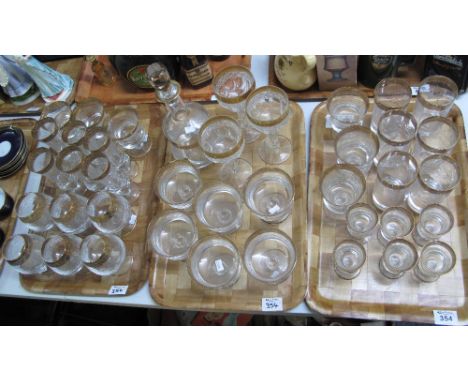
x=447 y=158
x=287 y=239
x=38 y=196
x=360 y=129
x=444 y=120
x=90 y=136
x=366 y=205
x=23 y=255
x=171 y=166
x=403 y=242
x=116 y=112
x=61 y=157
x=450 y=84
x=406 y=211
x=444 y=245
x=348 y=167
x=398 y=186
x=443 y=208
x=64 y=255
x=228 y=69
x=392 y=80
x=207 y=124
x=355 y=243
x=71 y=207
x=39 y=124
x=66 y=129
x=348 y=90
x=34 y=154
x=54 y=106
x=272 y=122
x=104 y=254
x=403 y=114
x=89 y=159
x=85 y=102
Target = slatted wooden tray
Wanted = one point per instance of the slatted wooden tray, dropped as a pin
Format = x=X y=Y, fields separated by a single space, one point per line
x=135 y=274
x=122 y=92
x=370 y=295
x=72 y=67
x=170 y=283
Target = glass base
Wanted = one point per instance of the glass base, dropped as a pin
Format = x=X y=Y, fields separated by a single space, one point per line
x=275 y=155
x=236 y=173
x=385 y=272
x=141 y=151
x=346 y=275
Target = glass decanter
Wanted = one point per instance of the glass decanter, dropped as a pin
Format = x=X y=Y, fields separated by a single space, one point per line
x=182 y=122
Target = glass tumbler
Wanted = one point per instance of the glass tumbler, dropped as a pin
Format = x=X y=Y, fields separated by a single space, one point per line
x=218 y=206
x=269 y=194
x=436 y=135
x=361 y=221
x=69 y=163
x=349 y=257
x=46 y=131
x=396 y=130
x=73 y=134
x=33 y=210
x=59 y=111
x=395 y=223
x=177 y=183
x=267 y=111
x=222 y=141
x=171 y=234
x=23 y=253
x=231 y=86
x=435 y=98
x=103 y=254
x=61 y=253
x=357 y=146
x=111 y=213
x=438 y=176
x=398 y=257
x=68 y=211
x=347 y=106
x=396 y=172
x=436 y=259
x=128 y=133
x=341 y=185
x=434 y=221
x=269 y=256
x=389 y=94
x=214 y=262
x=90 y=112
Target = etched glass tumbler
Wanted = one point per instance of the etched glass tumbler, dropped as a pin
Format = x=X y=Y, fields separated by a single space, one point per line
x=59 y=111
x=23 y=253
x=438 y=176
x=90 y=112
x=33 y=210
x=69 y=163
x=396 y=130
x=177 y=183
x=269 y=194
x=398 y=257
x=357 y=146
x=396 y=172
x=61 y=253
x=341 y=186
x=395 y=223
x=435 y=98
x=46 y=132
x=103 y=254
x=171 y=234
x=74 y=133
x=231 y=86
x=389 y=94
x=267 y=111
x=434 y=221
x=436 y=135
x=436 y=259
x=218 y=206
x=214 y=262
x=361 y=221
x=269 y=256
x=68 y=211
x=349 y=256
x=347 y=106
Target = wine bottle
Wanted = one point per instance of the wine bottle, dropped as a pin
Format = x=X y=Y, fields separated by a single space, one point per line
x=196 y=70
x=133 y=68
x=372 y=69
x=454 y=67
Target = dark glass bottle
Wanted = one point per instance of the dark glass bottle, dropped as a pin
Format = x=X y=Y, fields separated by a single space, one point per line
x=196 y=70
x=372 y=69
x=133 y=68
x=454 y=67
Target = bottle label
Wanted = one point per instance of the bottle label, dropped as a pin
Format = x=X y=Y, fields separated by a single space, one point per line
x=199 y=75
x=137 y=75
x=381 y=63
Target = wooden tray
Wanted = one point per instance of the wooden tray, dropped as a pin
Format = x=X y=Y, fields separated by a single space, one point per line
x=135 y=275
x=123 y=92
x=72 y=67
x=315 y=94
x=170 y=284
x=370 y=295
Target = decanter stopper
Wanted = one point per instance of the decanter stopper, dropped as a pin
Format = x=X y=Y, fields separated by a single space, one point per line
x=166 y=89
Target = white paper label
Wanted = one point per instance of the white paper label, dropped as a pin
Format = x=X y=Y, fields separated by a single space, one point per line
x=118 y=289
x=272 y=304
x=445 y=317
x=414 y=90
x=219 y=265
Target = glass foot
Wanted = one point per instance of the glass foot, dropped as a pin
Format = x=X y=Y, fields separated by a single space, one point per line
x=236 y=173
x=275 y=154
